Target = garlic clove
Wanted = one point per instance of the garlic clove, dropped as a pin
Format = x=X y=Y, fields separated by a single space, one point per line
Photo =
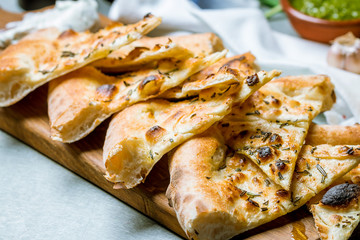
x=352 y=62
x=344 y=53
x=335 y=58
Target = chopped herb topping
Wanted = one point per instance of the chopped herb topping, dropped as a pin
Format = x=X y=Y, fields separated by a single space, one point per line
x=296 y=200
x=252 y=195
x=256 y=112
x=266 y=135
x=267 y=182
x=313 y=150
x=350 y=151
x=67 y=54
x=280 y=176
x=151 y=155
x=322 y=171
x=253 y=202
x=276 y=146
x=126 y=84
x=283 y=125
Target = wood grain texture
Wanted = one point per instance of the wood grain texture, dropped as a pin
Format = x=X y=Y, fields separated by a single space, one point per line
x=28 y=121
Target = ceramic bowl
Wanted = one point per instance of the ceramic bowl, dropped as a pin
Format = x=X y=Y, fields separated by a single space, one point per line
x=317 y=29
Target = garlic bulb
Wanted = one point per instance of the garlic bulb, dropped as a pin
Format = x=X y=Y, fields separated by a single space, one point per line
x=344 y=53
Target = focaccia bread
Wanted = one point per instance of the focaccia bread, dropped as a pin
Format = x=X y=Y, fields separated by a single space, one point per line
x=333 y=134
x=217 y=75
x=336 y=209
x=338 y=213
x=45 y=55
x=140 y=135
x=146 y=51
x=81 y=100
x=271 y=126
x=217 y=193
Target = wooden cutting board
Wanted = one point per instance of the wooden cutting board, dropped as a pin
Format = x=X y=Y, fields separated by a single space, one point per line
x=28 y=121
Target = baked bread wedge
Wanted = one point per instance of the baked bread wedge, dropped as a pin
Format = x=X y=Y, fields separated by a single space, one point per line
x=337 y=214
x=336 y=209
x=217 y=75
x=218 y=193
x=271 y=126
x=81 y=100
x=146 y=51
x=140 y=135
x=47 y=54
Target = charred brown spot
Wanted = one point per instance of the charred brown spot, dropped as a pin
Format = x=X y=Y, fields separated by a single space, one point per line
x=264 y=152
x=282 y=193
x=148 y=15
x=154 y=132
x=274 y=138
x=341 y=195
x=275 y=101
x=280 y=165
x=148 y=80
x=151 y=85
x=230 y=70
x=252 y=80
x=106 y=90
x=243 y=133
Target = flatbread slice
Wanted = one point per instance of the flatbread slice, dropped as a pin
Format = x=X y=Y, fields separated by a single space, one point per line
x=45 y=55
x=217 y=193
x=338 y=213
x=271 y=126
x=333 y=135
x=216 y=75
x=336 y=209
x=81 y=100
x=146 y=51
x=140 y=135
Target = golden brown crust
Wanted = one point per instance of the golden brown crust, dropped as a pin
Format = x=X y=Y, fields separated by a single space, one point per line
x=146 y=51
x=217 y=193
x=89 y=109
x=333 y=135
x=174 y=122
x=141 y=134
x=334 y=222
x=216 y=75
x=45 y=55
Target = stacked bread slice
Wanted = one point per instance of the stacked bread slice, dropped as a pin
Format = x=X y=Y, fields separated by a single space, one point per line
x=237 y=140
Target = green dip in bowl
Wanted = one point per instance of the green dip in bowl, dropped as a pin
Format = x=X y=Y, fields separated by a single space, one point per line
x=336 y=10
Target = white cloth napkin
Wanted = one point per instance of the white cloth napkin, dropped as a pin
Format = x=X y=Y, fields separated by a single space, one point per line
x=245 y=29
